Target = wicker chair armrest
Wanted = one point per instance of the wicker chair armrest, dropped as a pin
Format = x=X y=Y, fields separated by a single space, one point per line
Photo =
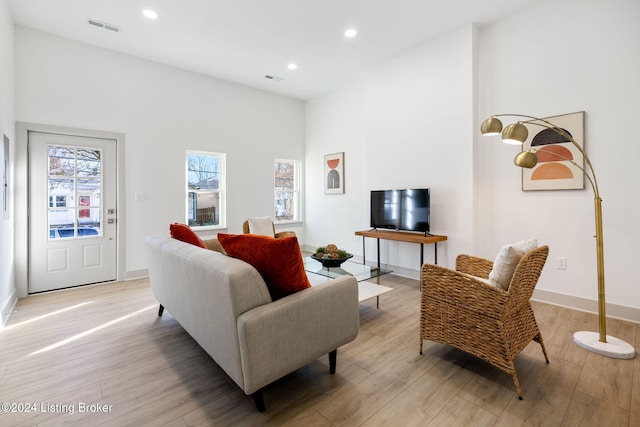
x=286 y=234
x=473 y=265
x=446 y=286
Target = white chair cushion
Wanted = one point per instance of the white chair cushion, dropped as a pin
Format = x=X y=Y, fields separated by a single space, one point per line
x=505 y=263
x=261 y=225
x=481 y=279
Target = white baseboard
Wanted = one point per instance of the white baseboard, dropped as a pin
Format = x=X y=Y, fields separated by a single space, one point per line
x=136 y=274
x=614 y=311
x=7 y=308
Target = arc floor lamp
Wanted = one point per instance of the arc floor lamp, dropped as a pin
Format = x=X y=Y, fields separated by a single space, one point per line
x=516 y=133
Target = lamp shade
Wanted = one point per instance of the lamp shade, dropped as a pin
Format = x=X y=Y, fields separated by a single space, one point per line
x=515 y=133
x=526 y=159
x=491 y=126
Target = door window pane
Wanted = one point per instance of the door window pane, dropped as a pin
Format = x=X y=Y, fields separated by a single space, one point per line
x=75 y=184
x=61 y=161
x=89 y=162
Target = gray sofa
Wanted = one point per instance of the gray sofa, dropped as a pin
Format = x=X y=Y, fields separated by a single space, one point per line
x=224 y=304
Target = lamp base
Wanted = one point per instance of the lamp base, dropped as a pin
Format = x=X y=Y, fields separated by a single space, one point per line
x=614 y=347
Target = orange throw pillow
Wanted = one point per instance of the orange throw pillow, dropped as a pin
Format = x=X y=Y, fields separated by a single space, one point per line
x=279 y=261
x=185 y=234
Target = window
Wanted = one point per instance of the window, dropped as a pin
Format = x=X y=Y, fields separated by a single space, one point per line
x=287 y=190
x=75 y=184
x=205 y=189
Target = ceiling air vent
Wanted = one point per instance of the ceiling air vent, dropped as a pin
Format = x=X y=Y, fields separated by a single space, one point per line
x=104 y=25
x=274 y=78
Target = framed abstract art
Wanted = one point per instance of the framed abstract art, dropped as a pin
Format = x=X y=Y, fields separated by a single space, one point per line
x=557 y=156
x=334 y=173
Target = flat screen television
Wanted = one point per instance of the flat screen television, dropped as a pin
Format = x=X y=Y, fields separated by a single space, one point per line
x=407 y=210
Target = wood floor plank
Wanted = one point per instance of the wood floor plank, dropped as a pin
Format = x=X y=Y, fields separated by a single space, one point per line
x=461 y=413
x=106 y=344
x=423 y=399
x=586 y=410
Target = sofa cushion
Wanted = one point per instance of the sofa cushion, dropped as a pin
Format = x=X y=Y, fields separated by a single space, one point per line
x=506 y=261
x=279 y=261
x=185 y=234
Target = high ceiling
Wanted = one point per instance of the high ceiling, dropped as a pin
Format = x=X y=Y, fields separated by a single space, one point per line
x=244 y=40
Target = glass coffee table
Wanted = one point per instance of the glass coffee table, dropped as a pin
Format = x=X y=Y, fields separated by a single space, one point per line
x=363 y=274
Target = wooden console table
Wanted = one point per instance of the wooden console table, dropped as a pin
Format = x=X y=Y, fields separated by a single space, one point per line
x=401 y=236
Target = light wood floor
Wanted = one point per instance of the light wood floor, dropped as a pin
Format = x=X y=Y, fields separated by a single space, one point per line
x=105 y=345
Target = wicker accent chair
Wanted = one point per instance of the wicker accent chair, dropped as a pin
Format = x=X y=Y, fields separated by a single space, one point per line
x=462 y=311
x=245 y=230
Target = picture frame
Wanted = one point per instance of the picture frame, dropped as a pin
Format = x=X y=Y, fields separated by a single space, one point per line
x=555 y=169
x=334 y=173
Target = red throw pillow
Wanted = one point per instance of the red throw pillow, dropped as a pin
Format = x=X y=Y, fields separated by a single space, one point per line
x=279 y=261
x=184 y=233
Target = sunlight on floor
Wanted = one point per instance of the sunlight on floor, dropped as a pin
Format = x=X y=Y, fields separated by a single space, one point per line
x=90 y=331
x=44 y=316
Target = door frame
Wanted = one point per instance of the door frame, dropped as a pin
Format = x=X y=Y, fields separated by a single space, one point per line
x=21 y=207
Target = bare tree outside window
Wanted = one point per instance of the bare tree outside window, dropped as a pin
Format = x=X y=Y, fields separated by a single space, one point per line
x=74 y=191
x=205 y=189
x=286 y=189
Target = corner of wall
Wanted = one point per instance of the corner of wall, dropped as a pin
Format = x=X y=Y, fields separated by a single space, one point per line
x=7 y=308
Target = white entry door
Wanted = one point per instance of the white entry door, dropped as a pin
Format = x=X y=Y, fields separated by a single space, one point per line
x=72 y=211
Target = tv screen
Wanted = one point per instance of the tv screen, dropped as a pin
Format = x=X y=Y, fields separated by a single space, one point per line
x=385 y=209
x=407 y=210
x=415 y=205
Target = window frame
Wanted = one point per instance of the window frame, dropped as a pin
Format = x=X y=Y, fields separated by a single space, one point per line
x=297 y=191
x=221 y=190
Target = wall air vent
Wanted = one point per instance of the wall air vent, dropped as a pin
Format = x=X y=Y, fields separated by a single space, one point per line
x=103 y=25
x=274 y=78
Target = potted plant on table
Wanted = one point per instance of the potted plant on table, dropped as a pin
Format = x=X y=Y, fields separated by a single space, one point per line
x=331 y=256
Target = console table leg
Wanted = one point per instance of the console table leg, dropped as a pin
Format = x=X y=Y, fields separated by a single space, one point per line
x=435 y=251
x=364 y=255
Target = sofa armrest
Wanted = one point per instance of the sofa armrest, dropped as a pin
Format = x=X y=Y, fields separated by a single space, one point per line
x=280 y=337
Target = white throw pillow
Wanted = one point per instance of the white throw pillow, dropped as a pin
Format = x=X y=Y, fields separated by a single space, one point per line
x=505 y=263
x=261 y=225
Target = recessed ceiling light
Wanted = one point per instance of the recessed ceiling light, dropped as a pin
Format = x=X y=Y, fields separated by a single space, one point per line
x=151 y=14
x=350 y=33
x=292 y=66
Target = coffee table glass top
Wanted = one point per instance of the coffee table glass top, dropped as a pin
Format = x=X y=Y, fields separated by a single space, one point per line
x=348 y=268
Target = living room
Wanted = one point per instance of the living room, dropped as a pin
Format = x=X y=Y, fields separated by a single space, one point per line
x=410 y=121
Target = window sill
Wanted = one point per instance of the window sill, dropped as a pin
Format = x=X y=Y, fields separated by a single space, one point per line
x=207 y=228
x=288 y=222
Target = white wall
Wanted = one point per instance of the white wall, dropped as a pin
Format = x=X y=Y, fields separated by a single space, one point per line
x=562 y=57
x=162 y=111
x=336 y=123
x=8 y=293
x=408 y=124
x=558 y=57
x=414 y=121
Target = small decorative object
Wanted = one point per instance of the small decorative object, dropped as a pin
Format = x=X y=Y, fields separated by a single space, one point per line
x=334 y=173
x=331 y=256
